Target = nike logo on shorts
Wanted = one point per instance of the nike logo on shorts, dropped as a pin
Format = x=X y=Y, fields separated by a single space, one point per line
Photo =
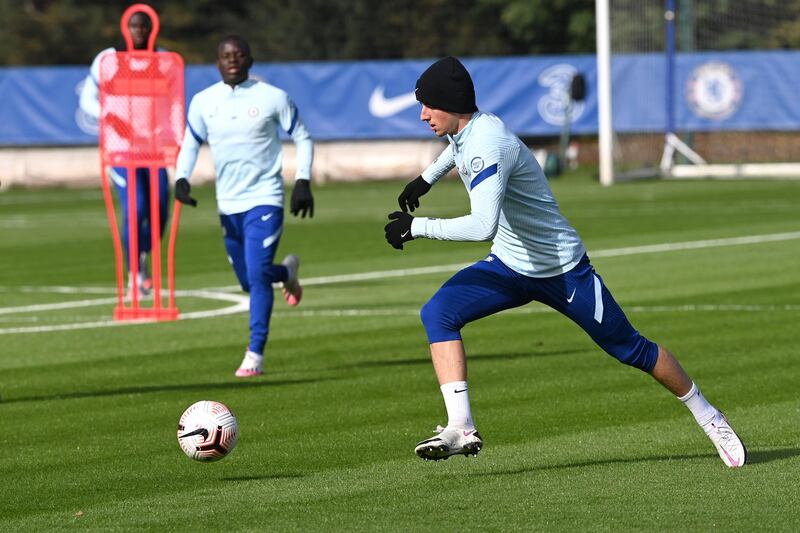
x=569 y=300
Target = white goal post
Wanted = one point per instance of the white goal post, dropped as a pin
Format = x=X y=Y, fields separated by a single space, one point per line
x=691 y=89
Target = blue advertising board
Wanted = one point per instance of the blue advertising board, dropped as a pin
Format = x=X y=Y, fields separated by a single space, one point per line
x=375 y=99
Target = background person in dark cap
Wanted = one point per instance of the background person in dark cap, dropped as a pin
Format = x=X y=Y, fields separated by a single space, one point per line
x=536 y=255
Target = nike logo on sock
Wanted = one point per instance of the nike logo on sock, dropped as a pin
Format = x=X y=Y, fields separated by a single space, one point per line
x=462 y=390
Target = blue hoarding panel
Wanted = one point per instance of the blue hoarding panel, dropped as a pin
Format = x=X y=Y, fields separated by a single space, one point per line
x=375 y=99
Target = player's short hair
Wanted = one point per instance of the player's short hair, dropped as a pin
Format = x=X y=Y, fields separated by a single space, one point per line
x=234 y=39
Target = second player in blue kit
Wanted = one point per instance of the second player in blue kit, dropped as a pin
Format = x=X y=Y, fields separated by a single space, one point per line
x=239 y=119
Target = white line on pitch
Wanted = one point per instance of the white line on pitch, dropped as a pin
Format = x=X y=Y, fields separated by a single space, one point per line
x=611 y=252
x=241 y=303
x=56 y=306
x=59 y=289
x=693 y=245
x=403 y=272
x=749 y=308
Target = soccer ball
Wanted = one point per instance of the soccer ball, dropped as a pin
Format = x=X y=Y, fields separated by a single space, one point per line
x=207 y=431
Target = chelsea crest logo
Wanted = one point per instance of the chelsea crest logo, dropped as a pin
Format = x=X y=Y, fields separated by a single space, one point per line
x=714 y=90
x=476 y=164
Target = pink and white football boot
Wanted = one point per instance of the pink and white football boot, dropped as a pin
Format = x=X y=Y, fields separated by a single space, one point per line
x=729 y=446
x=252 y=365
x=292 y=290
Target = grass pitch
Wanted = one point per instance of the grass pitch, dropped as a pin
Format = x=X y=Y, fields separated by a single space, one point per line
x=574 y=440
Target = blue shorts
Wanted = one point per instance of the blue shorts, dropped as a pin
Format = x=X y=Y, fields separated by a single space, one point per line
x=489 y=286
x=251 y=240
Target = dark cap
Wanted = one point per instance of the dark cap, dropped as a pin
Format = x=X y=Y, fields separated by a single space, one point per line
x=447 y=85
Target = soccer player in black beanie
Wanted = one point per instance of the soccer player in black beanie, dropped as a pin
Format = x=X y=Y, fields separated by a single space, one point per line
x=536 y=255
x=447 y=85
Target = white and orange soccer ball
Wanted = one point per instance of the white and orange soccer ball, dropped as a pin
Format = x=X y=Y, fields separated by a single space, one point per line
x=207 y=431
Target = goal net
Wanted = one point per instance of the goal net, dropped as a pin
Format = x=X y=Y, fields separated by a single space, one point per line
x=702 y=88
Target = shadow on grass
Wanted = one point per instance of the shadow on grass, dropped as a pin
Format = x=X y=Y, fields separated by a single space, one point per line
x=756 y=457
x=522 y=355
x=470 y=357
x=149 y=389
x=585 y=464
x=262 y=478
x=766 y=456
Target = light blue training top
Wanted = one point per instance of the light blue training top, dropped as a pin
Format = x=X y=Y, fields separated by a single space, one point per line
x=511 y=202
x=89 y=100
x=240 y=124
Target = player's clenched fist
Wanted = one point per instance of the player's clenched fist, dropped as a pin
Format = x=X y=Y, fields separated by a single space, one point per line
x=398 y=230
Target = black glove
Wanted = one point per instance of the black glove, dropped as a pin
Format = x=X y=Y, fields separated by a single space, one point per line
x=302 y=199
x=409 y=198
x=182 y=190
x=398 y=230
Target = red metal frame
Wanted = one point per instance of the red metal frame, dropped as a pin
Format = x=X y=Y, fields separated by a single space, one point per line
x=134 y=311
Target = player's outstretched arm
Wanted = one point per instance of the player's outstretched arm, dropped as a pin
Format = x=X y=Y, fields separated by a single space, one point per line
x=302 y=201
x=409 y=198
x=193 y=137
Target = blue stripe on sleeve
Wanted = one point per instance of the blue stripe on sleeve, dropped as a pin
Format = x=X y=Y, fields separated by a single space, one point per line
x=487 y=172
x=294 y=121
x=194 y=133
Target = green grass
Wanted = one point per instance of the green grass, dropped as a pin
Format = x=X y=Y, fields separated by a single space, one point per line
x=574 y=440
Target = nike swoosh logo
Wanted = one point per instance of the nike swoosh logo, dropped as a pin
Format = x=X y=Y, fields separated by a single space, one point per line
x=199 y=431
x=266 y=217
x=383 y=107
x=404 y=234
x=569 y=300
x=468 y=433
x=734 y=462
x=462 y=390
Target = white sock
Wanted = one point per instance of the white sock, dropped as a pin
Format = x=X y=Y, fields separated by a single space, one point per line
x=456 y=401
x=257 y=358
x=703 y=411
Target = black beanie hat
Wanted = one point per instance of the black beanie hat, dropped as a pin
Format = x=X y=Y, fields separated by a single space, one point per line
x=447 y=85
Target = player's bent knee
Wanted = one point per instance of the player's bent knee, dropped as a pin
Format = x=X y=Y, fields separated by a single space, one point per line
x=441 y=323
x=639 y=352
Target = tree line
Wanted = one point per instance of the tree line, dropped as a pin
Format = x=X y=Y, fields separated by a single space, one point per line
x=51 y=32
x=58 y=32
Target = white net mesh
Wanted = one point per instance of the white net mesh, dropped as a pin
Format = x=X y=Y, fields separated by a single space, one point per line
x=721 y=33
x=142 y=111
